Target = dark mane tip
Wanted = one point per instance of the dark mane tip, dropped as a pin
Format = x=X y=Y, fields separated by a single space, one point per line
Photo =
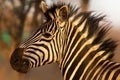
x=101 y=30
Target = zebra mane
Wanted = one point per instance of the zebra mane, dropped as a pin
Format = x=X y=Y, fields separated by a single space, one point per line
x=108 y=44
x=101 y=32
x=94 y=27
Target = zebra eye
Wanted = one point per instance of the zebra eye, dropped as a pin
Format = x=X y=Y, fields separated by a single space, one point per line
x=47 y=35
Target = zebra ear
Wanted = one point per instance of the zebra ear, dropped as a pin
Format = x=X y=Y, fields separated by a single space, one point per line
x=63 y=12
x=43 y=6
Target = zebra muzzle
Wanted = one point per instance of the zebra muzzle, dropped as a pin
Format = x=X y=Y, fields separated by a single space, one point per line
x=18 y=63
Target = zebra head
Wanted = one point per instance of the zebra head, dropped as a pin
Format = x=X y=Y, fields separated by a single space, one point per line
x=44 y=45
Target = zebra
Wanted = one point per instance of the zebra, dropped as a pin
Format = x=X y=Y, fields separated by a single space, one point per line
x=73 y=39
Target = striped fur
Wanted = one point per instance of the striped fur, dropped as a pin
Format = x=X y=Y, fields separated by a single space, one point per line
x=75 y=40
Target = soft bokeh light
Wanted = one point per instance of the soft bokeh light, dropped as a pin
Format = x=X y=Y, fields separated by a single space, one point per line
x=111 y=8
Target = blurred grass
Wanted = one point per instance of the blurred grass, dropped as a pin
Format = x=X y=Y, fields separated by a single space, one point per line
x=6 y=38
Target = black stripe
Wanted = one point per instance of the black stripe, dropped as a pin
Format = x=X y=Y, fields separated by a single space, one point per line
x=57 y=42
x=95 y=61
x=31 y=58
x=73 y=54
x=91 y=66
x=40 y=52
x=106 y=68
x=83 y=15
x=36 y=49
x=110 y=71
x=46 y=47
x=69 y=26
x=46 y=40
x=47 y=58
x=79 y=34
x=32 y=64
x=55 y=46
x=99 y=65
x=71 y=36
x=76 y=61
x=42 y=45
x=52 y=53
x=116 y=74
x=85 y=62
x=51 y=26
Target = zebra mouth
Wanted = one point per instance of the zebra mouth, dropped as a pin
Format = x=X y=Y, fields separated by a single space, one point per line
x=22 y=67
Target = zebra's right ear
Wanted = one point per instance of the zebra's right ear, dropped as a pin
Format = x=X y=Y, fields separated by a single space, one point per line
x=43 y=6
x=63 y=12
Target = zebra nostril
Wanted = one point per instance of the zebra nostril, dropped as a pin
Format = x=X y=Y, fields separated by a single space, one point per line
x=16 y=61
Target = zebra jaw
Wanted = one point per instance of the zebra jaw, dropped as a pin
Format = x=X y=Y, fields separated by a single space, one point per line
x=17 y=63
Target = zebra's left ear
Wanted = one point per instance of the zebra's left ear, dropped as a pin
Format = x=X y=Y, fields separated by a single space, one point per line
x=63 y=12
x=44 y=6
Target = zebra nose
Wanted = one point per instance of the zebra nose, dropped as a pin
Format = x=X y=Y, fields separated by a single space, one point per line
x=16 y=58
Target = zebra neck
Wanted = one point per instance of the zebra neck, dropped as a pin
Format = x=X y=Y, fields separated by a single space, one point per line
x=104 y=70
x=96 y=68
x=80 y=55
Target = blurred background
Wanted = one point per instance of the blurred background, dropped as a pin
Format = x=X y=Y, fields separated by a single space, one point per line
x=19 y=18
